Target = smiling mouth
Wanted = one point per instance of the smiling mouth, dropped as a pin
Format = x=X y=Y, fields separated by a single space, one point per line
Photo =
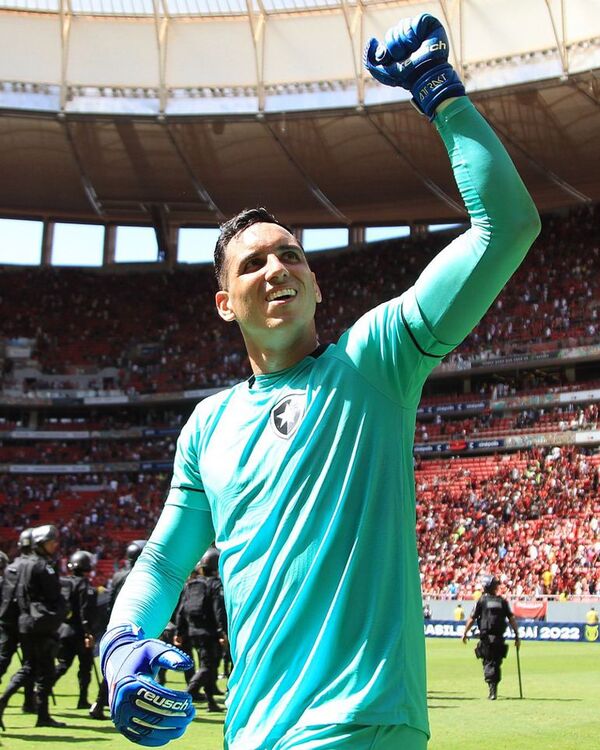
x=281 y=295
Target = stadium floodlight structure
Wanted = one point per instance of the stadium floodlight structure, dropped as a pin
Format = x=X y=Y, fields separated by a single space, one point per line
x=183 y=111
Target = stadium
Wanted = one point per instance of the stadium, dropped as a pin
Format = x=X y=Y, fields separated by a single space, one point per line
x=130 y=130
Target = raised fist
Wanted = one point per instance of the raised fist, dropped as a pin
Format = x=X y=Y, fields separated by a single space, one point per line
x=414 y=56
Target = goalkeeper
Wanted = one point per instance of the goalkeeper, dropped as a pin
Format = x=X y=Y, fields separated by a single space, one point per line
x=303 y=473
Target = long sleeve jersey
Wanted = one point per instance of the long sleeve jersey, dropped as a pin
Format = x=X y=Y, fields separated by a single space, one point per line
x=304 y=478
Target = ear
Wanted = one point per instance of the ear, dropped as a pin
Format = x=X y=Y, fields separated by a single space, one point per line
x=223 y=308
x=318 y=295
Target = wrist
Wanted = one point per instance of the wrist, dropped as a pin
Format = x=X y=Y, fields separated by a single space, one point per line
x=436 y=86
x=114 y=638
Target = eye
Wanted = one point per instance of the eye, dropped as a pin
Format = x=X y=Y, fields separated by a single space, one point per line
x=291 y=255
x=252 y=264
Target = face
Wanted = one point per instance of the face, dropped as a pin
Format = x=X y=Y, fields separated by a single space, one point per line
x=51 y=546
x=270 y=287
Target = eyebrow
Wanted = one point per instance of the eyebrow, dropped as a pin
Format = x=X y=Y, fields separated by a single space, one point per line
x=259 y=253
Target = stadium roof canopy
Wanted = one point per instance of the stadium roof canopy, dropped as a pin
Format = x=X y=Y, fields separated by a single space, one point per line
x=184 y=111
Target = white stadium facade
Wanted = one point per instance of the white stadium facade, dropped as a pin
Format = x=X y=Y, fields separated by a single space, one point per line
x=175 y=113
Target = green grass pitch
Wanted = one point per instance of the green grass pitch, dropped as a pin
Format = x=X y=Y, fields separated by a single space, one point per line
x=561 y=684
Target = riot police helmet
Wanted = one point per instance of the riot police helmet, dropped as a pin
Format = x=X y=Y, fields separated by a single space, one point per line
x=24 y=543
x=209 y=562
x=81 y=561
x=42 y=534
x=134 y=549
x=490 y=583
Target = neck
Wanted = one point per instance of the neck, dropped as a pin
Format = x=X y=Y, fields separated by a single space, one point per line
x=264 y=360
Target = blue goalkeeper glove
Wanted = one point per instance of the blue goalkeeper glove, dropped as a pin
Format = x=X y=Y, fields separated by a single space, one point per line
x=143 y=710
x=415 y=56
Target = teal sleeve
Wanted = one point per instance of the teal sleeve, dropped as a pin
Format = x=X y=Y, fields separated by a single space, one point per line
x=461 y=282
x=150 y=593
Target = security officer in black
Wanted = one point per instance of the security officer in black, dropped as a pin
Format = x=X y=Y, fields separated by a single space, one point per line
x=9 y=617
x=75 y=633
x=133 y=551
x=6 y=633
x=168 y=636
x=202 y=623
x=491 y=613
x=41 y=610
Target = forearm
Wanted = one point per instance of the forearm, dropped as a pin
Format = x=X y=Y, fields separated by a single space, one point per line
x=458 y=286
x=151 y=590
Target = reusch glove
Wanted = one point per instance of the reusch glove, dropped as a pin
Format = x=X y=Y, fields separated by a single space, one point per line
x=415 y=56
x=143 y=710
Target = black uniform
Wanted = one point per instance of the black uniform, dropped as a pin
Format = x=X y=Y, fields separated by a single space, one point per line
x=9 y=614
x=78 y=626
x=9 y=626
x=491 y=613
x=117 y=581
x=201 y=621
x=134 y=549
x=41 y=610
x=168 y=636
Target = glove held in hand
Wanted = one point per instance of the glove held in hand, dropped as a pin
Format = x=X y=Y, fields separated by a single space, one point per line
x=143 y=710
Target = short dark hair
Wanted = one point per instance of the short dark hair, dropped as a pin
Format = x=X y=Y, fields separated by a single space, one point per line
x=232 y=228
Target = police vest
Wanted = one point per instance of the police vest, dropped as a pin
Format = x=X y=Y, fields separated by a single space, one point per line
x=493 y=615
x=196 y=604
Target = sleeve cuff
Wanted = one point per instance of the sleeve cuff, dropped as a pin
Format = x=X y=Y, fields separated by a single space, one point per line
x=188 y=497
x=422 y=336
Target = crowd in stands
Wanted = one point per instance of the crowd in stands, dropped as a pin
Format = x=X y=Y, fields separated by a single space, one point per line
x=533 y=518
x=99 y=513
x=101 y=419
x=90 y=320
x=162 y=447
x=489 y=424
x=88 y=451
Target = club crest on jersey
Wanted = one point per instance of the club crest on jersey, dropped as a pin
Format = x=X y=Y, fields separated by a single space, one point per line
x=287 y=414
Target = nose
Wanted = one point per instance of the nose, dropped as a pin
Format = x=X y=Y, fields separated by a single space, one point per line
x=275 y=269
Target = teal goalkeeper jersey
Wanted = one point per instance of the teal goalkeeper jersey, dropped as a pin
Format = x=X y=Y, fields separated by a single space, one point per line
x=305 y=479
x=311 y=491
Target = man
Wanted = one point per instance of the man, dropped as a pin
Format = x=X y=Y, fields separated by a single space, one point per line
x=491 y=613
x=9 y=616
x=459 y=613
x=201 y=623
x=133 y=551
x=41 y=610
x=76 y=632
x=303 y=474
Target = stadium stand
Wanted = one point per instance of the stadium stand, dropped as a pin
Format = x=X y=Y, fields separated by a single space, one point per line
x=106 y=345
x=506 y=465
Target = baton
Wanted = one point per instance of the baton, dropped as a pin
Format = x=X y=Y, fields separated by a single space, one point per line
x=96 y=672
x=517 y=649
